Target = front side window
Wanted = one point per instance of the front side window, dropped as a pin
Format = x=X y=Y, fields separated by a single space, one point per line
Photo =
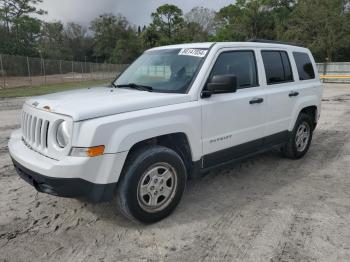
x=304 y=65
x=239 y=63
x=277 y=67
x=170 y=70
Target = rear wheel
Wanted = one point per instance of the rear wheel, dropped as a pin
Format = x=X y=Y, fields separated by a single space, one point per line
x=152 y=184
x=300 y=138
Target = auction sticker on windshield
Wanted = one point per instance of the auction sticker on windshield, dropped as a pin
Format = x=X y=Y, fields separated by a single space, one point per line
x=193 y=52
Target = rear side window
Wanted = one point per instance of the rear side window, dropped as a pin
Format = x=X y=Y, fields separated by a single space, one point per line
x=277 y=67
x=239 y=63
x=304 y=65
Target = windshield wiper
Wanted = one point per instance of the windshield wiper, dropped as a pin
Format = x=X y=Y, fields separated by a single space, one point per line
x=113 y=85
x=138 y=87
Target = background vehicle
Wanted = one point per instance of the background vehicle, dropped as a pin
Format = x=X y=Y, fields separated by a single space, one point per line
x=176 y=111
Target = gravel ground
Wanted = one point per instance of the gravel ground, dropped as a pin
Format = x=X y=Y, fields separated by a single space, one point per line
x=265 y=208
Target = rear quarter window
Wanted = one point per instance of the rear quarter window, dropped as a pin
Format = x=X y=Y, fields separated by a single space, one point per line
x=304 y=66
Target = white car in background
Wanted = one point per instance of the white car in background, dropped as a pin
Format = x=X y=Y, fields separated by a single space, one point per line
x=176 y=112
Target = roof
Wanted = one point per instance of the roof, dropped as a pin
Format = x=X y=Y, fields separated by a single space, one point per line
x=254 y=43
x=273 y=42
x=189 y=45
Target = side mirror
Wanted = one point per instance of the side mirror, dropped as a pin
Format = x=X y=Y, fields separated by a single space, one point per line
x=220 y=84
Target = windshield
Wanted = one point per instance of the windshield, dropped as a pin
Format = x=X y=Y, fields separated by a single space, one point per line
x=170 y=70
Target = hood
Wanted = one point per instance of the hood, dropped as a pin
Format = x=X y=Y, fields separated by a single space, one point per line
x=82 y=104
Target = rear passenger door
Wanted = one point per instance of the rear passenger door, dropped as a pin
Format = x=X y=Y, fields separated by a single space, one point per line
x=281 y=92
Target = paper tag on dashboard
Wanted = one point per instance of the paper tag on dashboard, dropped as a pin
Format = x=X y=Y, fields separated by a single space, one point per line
x=193 y=52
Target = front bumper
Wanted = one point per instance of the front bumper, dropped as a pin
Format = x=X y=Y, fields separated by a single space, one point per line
x=93 y=179
x=66 y=187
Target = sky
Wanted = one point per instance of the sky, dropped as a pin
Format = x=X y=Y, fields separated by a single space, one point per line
x=138 y=12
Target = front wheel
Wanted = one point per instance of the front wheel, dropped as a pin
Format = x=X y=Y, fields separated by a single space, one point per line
x=152 y=184
x=300 y=138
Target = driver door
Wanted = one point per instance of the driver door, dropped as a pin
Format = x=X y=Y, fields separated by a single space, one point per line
x=233 y=124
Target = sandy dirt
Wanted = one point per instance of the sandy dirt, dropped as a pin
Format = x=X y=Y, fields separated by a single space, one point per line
x=267 y=208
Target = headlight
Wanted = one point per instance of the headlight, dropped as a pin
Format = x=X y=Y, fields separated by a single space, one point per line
x=62 y=135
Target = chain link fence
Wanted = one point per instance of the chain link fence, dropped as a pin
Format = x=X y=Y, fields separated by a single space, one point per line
x=20 y=71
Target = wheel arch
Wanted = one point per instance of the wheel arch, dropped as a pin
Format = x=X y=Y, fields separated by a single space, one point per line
x=311 y=111
x=178 y=142
x=310 y=106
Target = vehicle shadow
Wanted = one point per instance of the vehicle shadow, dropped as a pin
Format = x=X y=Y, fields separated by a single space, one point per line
x=240 y=184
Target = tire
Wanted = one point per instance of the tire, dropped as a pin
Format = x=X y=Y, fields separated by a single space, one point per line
x=152 y=184
x=296 y=149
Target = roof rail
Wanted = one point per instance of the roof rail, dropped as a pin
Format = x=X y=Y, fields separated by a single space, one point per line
x=273 y=42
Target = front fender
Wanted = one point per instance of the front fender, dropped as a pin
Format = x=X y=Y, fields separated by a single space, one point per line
x=128 y=135
x=120 y=132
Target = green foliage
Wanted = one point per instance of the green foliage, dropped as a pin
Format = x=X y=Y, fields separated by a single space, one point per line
x=192 y=33
x=245 y=20
x=107 y=30
x=64 y=42
x=19 y=29
x=167 y=24
x=321 y=25
x=203 y=17
x=114 y=39
x=12 y=10
x=77 y=43
x=51 y=39
x=150 y=37
x=128 y=47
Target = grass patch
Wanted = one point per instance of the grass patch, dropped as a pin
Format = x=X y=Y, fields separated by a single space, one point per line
x=46 y=89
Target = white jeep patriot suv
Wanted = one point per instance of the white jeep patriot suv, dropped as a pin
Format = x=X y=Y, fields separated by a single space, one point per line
x=175 y=112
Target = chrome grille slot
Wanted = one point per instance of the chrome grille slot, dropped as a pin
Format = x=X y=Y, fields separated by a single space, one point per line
x=26 y=126
x=24 y=129
x=29 y=128
x=46 y=131
x=35 y=131
x=43 y=134
x=39 y=131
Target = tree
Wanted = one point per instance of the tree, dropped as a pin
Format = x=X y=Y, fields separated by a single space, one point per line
x=202 y=16
x=322 y=25
x=246 y=19
x=280 y=13
x=229 y=24
x=167 y=22
x=20 y=28
x=150 y=37
x=128 y=47
x=192 y=32
x=77 y=43
x=51 y=39
x=22 y=39
x=107 y=30
x=12 y=10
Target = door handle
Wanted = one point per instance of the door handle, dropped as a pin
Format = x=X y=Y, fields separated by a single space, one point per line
x=256 y=101
x=291 y=94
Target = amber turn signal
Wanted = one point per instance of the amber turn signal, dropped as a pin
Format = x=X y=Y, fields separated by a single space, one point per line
x=87 y=151
x=95 y=151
